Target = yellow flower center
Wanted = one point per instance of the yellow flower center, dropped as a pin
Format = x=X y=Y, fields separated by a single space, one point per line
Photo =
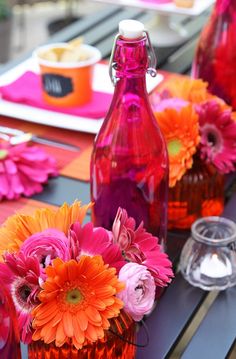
x=74 y=296
x=3 y=154
x=174 y=147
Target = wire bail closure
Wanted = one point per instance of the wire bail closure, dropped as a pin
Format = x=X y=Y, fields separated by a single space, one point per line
x=112 y=64
x=151 y=70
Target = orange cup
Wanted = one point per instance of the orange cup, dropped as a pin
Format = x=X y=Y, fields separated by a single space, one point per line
x=67 y=84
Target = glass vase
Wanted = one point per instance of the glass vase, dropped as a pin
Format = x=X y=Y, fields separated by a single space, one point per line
x=119 y=342
x=215 y=56
x=199 y=193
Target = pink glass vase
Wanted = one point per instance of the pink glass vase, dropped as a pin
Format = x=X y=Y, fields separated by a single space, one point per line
x=9 y=336
x=215 y=58
x=129 y=165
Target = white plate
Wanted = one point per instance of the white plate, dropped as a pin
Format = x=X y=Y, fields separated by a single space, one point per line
x=101 y=83
x=165 y=9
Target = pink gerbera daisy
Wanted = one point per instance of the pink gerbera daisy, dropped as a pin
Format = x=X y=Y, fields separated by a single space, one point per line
x=91 y=241
x=218 y=136
x=21 y=274
x=141 y=247
x=23 y=170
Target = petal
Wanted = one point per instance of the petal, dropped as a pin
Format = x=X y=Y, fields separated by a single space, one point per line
x=60 y=335
x=82 y=320
x=68 y=324
x=93 y=315
x=78 y=333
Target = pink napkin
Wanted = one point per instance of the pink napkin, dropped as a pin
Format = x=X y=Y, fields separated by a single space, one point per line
x=26 y=90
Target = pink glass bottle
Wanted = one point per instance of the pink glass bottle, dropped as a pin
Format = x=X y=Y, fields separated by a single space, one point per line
x=9 y=336
x=129 y=165
x=215 y=58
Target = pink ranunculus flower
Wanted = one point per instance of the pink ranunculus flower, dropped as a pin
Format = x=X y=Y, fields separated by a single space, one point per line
x=139 y=293
x=46 y=246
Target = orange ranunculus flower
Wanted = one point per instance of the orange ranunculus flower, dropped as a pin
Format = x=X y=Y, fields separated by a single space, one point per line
x=19 y=227
x=77 y=300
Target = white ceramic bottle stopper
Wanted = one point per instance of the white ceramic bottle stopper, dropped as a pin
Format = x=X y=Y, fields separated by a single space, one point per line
x=131 y=29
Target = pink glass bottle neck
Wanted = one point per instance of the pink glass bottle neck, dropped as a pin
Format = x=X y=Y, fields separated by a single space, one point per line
x=131 y=58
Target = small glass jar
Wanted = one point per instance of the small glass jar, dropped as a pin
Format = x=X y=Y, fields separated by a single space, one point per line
x=208 y=258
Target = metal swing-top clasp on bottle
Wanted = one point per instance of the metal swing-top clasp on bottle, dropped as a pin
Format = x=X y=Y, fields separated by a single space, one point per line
x=131 y=30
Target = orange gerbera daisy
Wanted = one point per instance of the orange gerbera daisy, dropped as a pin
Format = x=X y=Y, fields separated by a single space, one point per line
x=19 y=227
x=188 y=89
x=181 y=132
x=77 y=300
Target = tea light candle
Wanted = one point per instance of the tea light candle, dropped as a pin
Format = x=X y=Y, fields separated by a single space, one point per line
x=208 y=258
x=213 y=267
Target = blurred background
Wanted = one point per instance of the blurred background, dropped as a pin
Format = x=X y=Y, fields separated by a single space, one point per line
x=24 y=24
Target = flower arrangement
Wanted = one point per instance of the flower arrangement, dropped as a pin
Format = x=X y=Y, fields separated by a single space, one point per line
x=193 y=120
x=69 y=280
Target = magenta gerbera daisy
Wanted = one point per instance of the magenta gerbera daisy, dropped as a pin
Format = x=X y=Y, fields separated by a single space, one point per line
x=141 y=247
x=23 y=170
x=21 y=274
x=218 y=136
x=91 y=241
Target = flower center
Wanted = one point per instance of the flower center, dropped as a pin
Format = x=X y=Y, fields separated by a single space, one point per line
x=24 y=291
x=23 y=294
x=140 y=292
x=174 y=147
x=74 y=296
x=211 y=138
x=46 y=260
x=3 y=154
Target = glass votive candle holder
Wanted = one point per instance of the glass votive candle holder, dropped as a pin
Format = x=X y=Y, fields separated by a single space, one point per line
x=208 y=258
